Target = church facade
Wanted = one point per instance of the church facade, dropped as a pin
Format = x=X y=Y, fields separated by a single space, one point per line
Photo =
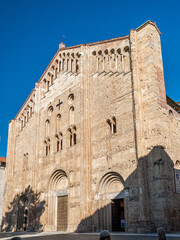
x=96 y=144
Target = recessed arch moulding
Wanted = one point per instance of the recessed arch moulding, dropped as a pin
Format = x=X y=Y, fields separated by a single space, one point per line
x=111 y=186
x=57 y=187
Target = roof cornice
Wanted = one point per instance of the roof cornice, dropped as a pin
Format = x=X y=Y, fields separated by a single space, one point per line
x=173 y=104
x=146 y=23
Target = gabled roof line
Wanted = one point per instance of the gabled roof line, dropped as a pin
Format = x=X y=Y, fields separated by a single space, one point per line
x=106 y=41
x=77 y=46
x=146 y=23
x=24 y=103
x=63 y=49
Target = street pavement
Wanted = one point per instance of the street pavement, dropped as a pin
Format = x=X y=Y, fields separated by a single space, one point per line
x=85 y=236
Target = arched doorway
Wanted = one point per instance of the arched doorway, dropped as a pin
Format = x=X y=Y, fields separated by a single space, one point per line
x=58 y=202
x=22 y=216
x=111 y=205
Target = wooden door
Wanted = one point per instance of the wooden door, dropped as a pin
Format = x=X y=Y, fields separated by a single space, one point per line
x=62 y=213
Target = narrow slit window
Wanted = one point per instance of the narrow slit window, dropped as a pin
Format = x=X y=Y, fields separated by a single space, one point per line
x=74 y=138
x=57 y=145
x=61 y=144
x=70 y=139
x=114 y=128
x=113 y=125
x=46 y=150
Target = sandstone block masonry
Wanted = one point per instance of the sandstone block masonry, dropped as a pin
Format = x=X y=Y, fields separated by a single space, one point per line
x=96 y=144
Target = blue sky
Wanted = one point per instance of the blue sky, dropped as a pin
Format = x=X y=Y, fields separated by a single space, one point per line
x=32 y=29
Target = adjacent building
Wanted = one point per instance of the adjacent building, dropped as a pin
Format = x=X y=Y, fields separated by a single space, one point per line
x=96 y=144
x=2 y=184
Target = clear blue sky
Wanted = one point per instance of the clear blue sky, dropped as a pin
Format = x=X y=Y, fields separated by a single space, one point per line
x=30 y=31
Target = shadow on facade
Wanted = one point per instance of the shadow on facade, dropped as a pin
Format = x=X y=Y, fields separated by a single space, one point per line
x=24 y=212
x=150 y=199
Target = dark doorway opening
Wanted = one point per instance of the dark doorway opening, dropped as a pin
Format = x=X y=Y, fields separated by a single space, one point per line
x=22 y=216
x=118 y=221
x=22 y=219
x=62 y=213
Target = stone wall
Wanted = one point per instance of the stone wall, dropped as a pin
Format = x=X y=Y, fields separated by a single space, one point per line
x=96 y=127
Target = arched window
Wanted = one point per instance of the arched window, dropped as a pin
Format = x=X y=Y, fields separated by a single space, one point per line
x=72 y=136
x=71 y=116
x=47 y=128
x=171 y=114
x=112 y=60
x=70 y=98
x=47 y=146
x=21 y=124
x=72 y=69
x=95 y=60
x=126 y=59
x=50 y=110
x=24 y=121
x=77 y=66
x=44 y=86
x=109 y=125
x=52 y=79
x=112 y=125
x=47 y=150
x=63 y=61
x=59 y=142
x=106 y=62
x=33 y=104
x=30 y=111
x=55 y=72
x=47 y=85
x=67 y=65
x=100 y=61
x=58 y=123
x=27 y=115
x=119 y=60
x=59 y=66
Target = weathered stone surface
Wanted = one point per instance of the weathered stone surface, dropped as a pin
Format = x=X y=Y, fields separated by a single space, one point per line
x=97 y=127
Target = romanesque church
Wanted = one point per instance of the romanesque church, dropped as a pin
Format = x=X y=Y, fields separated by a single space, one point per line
x=96 y=144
